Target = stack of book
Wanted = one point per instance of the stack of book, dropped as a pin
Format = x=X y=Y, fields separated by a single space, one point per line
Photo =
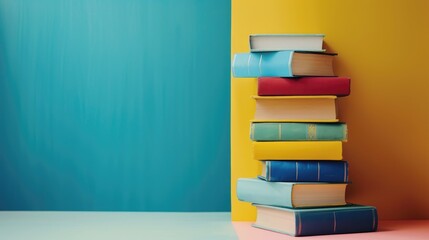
x=298 y=138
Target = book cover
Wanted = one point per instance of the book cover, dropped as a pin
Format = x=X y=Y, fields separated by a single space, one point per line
x=283 y=64
x=279 y=42
x=298 y=150
x=291 y=194
x=293 y=131
x=296 y=109
x=277 y=86
x=317 y=221
x=305 y=171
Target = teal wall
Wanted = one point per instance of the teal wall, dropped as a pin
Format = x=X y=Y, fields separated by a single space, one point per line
x=118 y=105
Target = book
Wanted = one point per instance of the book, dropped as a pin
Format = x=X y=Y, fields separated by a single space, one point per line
x=298 y=150
x=291 y=194
x=277 y=86
x=296 y=109
x=283 y=64
x=279 y=42
x=317 y=221
x=305 y=171
x=297 y=131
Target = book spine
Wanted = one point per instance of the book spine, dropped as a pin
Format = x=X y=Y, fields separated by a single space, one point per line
x=262 y=64
x=276 y=86
x=307 y=171
x=336 y=222
x=262 y=192
x=298 y=132
x=298 y=150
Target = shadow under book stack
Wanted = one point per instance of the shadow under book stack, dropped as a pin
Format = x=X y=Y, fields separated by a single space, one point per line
x=297 y=138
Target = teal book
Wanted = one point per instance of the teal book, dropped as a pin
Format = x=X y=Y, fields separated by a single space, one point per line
x=291 y=194
x=289 y=131
x=283 y=64
x=317 y=221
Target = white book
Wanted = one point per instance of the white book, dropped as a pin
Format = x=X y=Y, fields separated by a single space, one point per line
x=280 y=42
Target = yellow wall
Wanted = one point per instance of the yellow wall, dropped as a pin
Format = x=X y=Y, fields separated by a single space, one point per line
x=384 y=47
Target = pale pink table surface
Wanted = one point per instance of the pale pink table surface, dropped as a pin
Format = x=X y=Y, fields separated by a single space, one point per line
x=387 y=230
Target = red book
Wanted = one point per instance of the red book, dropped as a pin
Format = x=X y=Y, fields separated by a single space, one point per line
x=277 y=86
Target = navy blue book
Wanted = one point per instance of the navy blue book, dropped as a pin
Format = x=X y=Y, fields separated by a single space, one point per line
x=317 y=221
x=305 y=171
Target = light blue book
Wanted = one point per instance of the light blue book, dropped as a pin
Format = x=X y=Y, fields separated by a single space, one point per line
x=282 y=64
x=291 y=194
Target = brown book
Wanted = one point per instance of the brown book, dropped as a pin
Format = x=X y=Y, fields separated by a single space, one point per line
x=312 y=64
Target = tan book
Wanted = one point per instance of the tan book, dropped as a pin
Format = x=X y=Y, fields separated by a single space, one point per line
x=296 y=109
